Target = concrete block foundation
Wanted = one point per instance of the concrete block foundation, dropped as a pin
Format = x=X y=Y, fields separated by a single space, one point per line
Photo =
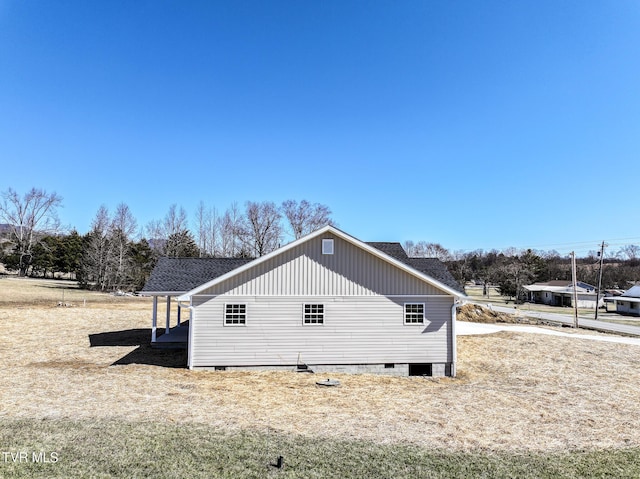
x=389 y=369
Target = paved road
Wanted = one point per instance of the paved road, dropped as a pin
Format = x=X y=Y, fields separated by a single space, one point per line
x=567 y=319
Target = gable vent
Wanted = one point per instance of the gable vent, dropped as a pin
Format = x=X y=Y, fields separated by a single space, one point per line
x=327 y=246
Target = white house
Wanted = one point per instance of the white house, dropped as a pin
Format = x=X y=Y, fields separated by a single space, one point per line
x=325 y=302
x=628 y=302
x=560 y=293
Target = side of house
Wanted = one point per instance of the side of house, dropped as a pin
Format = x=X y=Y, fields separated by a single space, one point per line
x=628 y=302
x=330 y=302
x=560 y=293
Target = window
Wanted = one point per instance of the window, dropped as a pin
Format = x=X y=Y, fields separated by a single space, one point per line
x=327 y=246
x=235 y=314
x=313 y=314
x=414 y=313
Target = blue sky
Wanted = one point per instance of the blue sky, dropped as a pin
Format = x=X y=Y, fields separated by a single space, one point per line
x=472 y=124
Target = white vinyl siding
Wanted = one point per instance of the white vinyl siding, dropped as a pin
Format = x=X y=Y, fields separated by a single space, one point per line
x=361 y=330
x=305 y=271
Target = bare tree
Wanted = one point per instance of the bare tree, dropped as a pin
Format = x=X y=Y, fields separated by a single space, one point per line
x=175 y=221
x=436 y=250
x=208 y=225
x=304 y=217
x=96 y=264
x=408 y=246
x=158 y=232
x=124 y=221
x=155 y=235
x=121 y=231
x=262 y=229
x=630 y=251
x=29 y=217
x=231 y=226
x=422 y=249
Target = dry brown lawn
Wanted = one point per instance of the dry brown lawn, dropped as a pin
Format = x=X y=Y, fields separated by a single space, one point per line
x=514 y=392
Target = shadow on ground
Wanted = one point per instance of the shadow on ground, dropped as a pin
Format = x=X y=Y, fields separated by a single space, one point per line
x=144 y=353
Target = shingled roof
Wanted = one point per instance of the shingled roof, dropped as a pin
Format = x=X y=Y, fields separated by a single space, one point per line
x=179 y=275
x=432 y=267
x=437 y=270
x=395 y=250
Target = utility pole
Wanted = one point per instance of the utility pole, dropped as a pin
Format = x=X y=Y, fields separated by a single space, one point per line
x=575 y=289
x=599 y=277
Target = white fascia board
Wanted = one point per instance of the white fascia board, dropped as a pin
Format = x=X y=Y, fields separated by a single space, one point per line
x=628 y=299
x=548 y=289
x=340 y=234
x=556 y=289
x=160 y=293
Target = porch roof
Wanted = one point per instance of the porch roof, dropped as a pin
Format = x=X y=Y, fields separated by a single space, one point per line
x=175 y=276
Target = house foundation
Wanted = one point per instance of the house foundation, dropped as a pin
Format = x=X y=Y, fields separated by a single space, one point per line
x=389 y=369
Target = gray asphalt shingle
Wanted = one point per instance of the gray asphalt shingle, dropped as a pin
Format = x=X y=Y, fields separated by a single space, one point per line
x=184 y=274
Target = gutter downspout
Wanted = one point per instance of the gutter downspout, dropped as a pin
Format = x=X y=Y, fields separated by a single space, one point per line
x=189 y=337
x=454 y=343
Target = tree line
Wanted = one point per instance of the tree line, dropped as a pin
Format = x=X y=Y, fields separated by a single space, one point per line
x=511 y=269
x=119 y=254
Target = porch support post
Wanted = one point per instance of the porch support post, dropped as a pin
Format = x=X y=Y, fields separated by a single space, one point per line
x=179 y=311
x=154 y=321
x=168 y=314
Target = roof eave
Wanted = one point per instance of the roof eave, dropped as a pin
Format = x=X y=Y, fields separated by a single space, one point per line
x=161 y=293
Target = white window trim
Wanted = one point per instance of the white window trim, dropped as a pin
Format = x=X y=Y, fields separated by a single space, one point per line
x=304 y=323
x=327 y=246
x=231 y=325
x=424 y=314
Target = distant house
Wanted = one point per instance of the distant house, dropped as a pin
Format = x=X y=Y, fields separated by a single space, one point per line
x=560 y=293
x=628 y=302
x=325 y=302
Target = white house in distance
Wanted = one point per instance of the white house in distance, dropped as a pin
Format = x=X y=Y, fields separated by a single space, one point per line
x=325 y=302
x=628 y=302
x=560 y=293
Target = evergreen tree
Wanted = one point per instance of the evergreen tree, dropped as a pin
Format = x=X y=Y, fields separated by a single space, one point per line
x=143 y=259
x=181 y=245
x=69 y=254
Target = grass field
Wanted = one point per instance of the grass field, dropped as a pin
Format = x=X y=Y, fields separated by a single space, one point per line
x=81 y=382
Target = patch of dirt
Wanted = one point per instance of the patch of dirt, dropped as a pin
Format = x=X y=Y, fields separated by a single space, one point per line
x=475 y=313
x=66 y=365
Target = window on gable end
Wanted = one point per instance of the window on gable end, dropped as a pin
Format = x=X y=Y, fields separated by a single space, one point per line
x=327 y=246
